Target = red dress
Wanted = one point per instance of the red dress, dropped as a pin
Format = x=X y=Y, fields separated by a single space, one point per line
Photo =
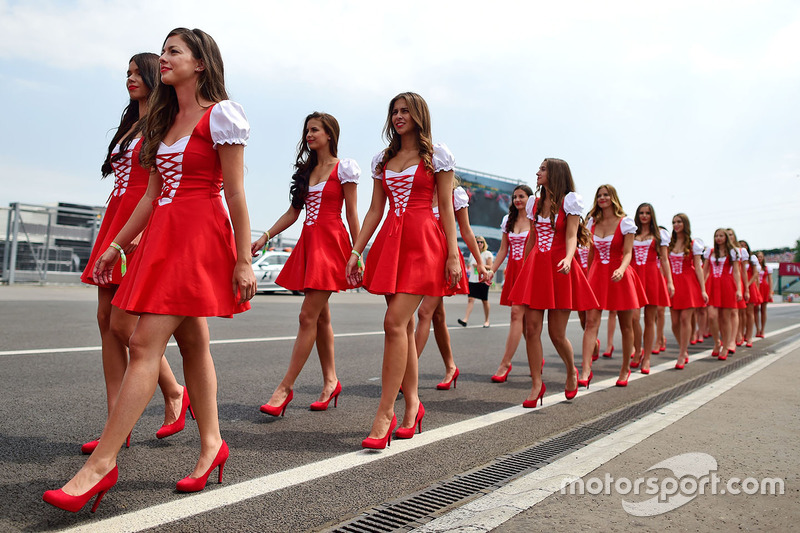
x=539 y=284
x=130 y=184
x=647 y=266
x=318 y=260
x=185 y=261
x=755 y=291
x=516 y=251
x=621 y=295
x=721 y=285
x=410 y=252
x=688 y=294
x=764 y=285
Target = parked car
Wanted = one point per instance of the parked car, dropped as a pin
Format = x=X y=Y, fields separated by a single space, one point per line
x=266 y=267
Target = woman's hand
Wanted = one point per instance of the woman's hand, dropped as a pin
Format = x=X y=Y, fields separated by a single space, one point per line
x=133 y=245
x=353 y=272
x=104 y=266
x=705 y=296
x=244 y=282
x=617 y=275
x=738 y=295
x=671 y=289
x=564 y=266
x=258 y=245
x=484 y=274
x=452 y=271
x=489 y=277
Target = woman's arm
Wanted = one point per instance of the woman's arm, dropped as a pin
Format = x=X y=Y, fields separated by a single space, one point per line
x=737 y=280
x=627 y=253
x=501 y=254
x=666 y=270
x=351 y=209
x=285 y=221
x=469 y=238
x=698 y=270
x=231 y=158
x=444 y=189
x=371 y=220
x=130 y=231
x=565 y=264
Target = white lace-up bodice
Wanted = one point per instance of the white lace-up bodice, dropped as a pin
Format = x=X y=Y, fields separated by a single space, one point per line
x=122 y=169
x=544 y=234
x=641 y=250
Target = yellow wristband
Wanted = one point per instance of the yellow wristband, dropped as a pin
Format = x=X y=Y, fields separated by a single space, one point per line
x=123 y=260
x=266 y=243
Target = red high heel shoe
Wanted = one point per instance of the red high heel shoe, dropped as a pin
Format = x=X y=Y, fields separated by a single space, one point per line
x=73 y=504
x=663 y=346
x=679 y=366
x=407 y=433
x=739 y=343
x=279 y=410
x=445 y=385
x=322 y=406
x=747 y=343
x=380 y=444
x=624 y=383
x=596 y=352
x=570 y=394
x=610 y=352
x=647 y=371
x=585 y=382
x=724 y=357
x=528 y=404
x=760 y=335
x=170 y=429
x=88 y=448
x=635 y=364
x=502 y=379
x=196 y=484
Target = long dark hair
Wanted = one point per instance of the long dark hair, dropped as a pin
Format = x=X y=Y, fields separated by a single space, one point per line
x=307 y=158
x=653 y=224
x=513 y=212
x=418 y=109
x=164 y=100
x=559 y=184
x=129 y=123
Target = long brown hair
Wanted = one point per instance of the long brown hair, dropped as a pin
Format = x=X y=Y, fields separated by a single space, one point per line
x=687 y=234
x=129 y=124
x=559 y=184
x=597 y=212
x=513 y=212
x=728 y=244
x=307 y=158
x=418 y=109
x=653 y=226
x=164 y=100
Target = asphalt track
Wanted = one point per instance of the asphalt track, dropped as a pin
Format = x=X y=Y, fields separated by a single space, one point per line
x=304 y=471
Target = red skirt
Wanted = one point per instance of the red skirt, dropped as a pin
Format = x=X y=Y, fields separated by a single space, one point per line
x=655 y=287
x=513 y=268
x=621 y=295
x=688 y=294
x=540 y=286
x=318 y=260
x=721 y=292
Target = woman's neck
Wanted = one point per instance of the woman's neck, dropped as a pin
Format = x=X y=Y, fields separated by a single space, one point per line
x=409 y=142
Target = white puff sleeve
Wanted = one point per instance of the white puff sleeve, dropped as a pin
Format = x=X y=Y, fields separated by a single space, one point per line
x=665 y=237
x=698 y=247
x=769 y=269
x=377 y=170
x=529 y=207
x=627 y=226
x=460 y=199
x=228 y=124
x=349 y=171
x=504 y=224
x=734 y=255
x=755 y=263
x=589 y=223
x=443 y=159
x=573 y=204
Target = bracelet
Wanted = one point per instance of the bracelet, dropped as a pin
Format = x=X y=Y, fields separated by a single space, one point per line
x=266 y=243
x=355 y=253
x=123 y=260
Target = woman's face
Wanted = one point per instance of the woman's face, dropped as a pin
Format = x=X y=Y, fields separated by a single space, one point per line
x=720 y=237
x=316 y=136
x=644 y=215
x=136 y=86
x=760 y=256
x=603 y=198
x=732 y=238
x=541 y=175
x=677 y=225
x=177 y=63
x=520 y=199
x=401 y=117
x=481 y=243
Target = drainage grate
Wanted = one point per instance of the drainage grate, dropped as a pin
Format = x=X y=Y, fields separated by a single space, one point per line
x=415 y=510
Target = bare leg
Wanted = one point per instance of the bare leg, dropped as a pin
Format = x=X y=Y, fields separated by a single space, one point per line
x=533 y=348
x=748 y=330
x=650 y=317
x=147 y=346
x=660 y=320
x=114 y=350
x=424 y=319
x=514 y=336
x=725 y=328
x=470 y=304
x=626 y=330
x=611 y=327
x=593 y=317
x=637 y=335
x=313 y=305
x=685 y=330
x=398 y=343
x=735 y=315
x=485 y=312
x=557 y=320
x=763 y=317
x=326 y=353
x=442 y=336
x=714 y=322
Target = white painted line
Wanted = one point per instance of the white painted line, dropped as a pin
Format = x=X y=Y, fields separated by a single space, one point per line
x=230 y=494
x=492 y=510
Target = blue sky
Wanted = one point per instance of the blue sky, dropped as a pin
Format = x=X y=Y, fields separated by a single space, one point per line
x=689 y=105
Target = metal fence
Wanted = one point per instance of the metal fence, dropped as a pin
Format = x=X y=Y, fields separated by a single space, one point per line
x=47 y=243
